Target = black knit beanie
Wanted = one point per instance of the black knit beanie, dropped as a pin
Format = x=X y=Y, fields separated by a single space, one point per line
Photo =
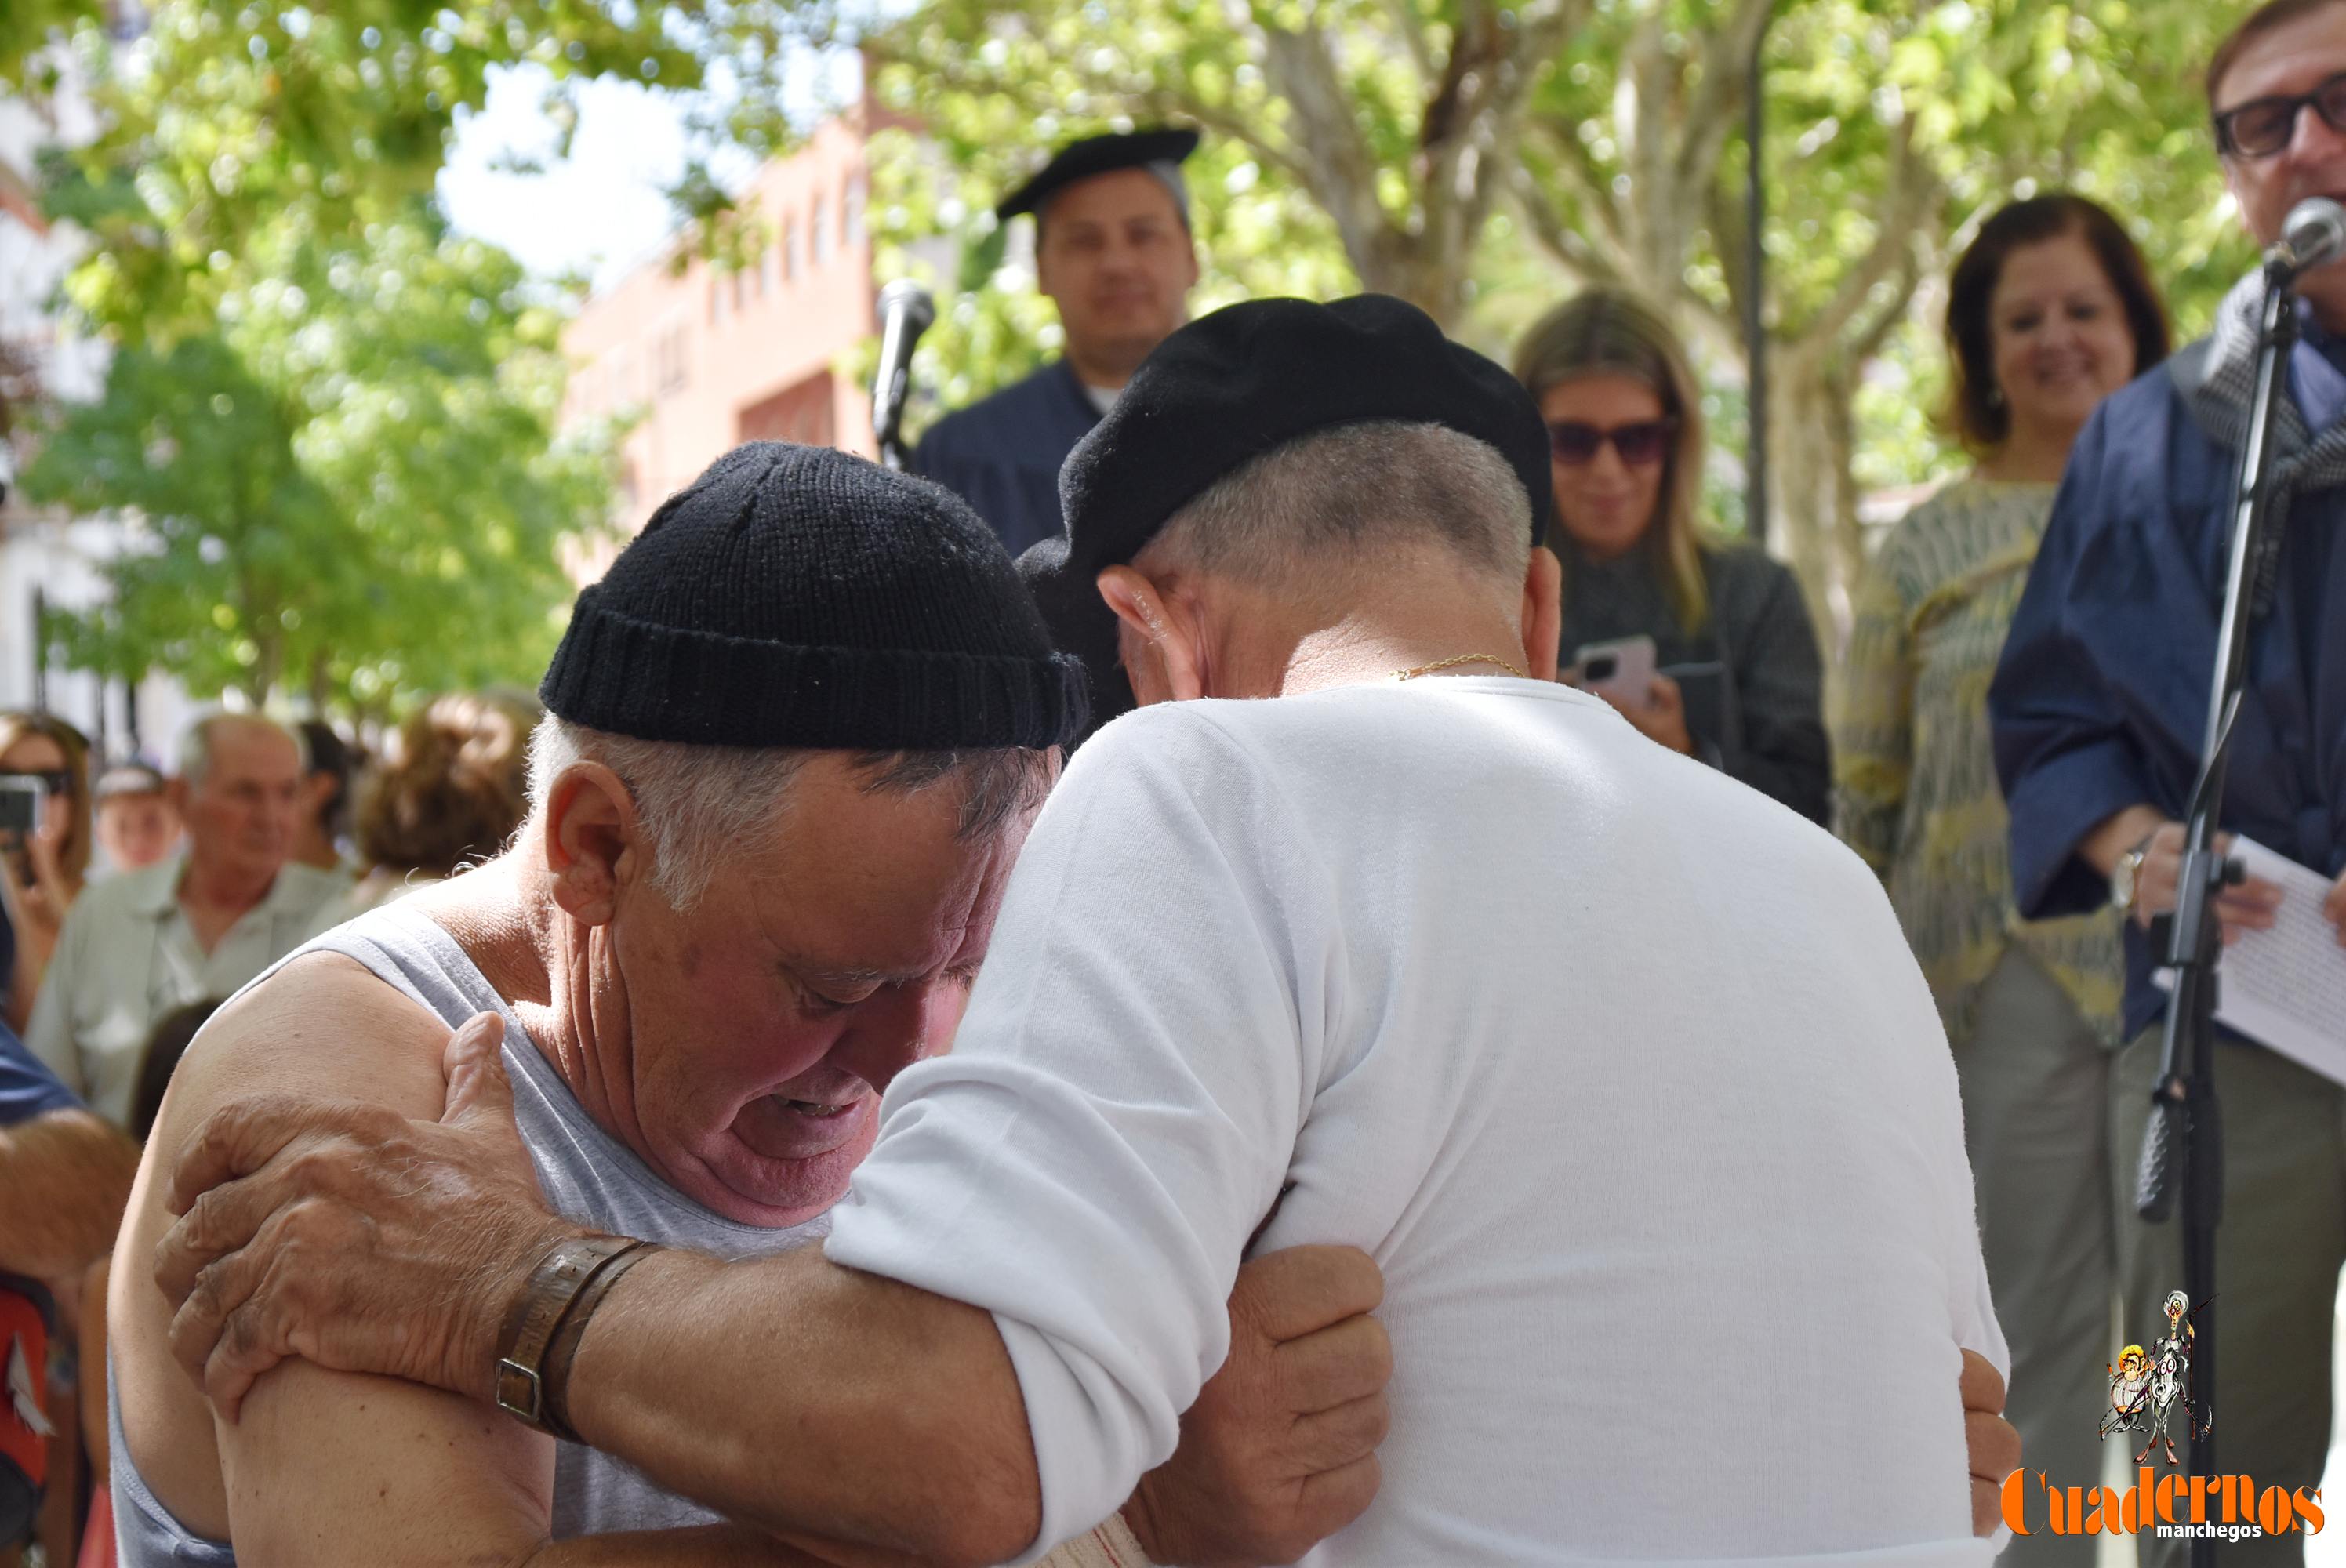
x=799 y=596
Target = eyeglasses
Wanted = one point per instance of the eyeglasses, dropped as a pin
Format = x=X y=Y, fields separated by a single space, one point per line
x=57 y=783
x=1640 y=444
x=2263 y=126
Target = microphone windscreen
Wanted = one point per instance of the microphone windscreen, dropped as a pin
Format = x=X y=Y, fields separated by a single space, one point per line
x=919 y=310
x=2315 y=234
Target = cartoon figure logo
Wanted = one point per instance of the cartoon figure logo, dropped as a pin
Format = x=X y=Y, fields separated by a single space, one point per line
x=2145 y=1388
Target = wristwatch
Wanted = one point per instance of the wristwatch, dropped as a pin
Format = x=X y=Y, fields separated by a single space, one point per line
x=2124 y=876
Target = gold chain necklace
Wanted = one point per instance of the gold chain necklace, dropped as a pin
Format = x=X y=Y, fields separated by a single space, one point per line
x=1462 y=659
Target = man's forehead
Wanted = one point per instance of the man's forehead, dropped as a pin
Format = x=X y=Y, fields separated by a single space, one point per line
x=2288 y=58
x=1118 y=196
x=251 y=746
x=874 y=884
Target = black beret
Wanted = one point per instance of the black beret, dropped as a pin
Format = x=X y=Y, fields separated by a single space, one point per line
x=1097 y=155
x=1229 y=387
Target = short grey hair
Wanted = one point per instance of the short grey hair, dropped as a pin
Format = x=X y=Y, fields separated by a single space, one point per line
x=1337 y=498
x=701 y=805
x=198 y=740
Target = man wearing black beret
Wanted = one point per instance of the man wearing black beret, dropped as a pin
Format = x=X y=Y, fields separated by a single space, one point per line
x=1620 y=1069
x=1112 y=250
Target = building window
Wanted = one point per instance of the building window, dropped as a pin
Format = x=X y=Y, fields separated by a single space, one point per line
x=740 y=282
x=789 y=249
x=818 y=234
x=668 y=361
x=715 y=298
x=851 y=213
x=769 y=263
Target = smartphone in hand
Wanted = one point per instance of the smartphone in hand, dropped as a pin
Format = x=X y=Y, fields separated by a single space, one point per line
x=1622 y=670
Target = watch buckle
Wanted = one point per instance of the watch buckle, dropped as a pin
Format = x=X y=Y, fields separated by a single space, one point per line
x=532 y=1410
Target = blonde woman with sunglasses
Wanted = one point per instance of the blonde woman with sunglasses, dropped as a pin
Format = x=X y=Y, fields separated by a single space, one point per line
x=1736 y=679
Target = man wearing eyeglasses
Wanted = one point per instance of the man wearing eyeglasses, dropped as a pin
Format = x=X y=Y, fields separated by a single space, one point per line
x=2099 y=706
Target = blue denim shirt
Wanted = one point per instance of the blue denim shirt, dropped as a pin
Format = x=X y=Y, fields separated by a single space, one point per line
x=2100 y=700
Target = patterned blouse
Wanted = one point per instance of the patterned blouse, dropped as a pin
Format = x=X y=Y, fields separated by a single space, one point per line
x=1915 y=789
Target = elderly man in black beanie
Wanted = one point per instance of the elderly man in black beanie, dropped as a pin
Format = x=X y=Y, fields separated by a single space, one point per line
x=1621 y=1070
x=795 y=739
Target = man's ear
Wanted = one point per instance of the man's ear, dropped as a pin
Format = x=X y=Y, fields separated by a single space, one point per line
x=175 y=791
x=1160 y=653
x=591 y=842
x=1543 y=613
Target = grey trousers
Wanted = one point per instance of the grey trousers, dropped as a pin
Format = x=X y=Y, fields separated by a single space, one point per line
x=2036 y=1091
x=2278 y=1247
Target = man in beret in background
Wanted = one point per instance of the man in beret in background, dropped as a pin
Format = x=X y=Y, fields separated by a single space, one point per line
x=1112 y=250
x=794 y=739
x=1621 y=1070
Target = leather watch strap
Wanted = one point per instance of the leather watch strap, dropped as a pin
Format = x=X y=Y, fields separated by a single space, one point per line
x=555 y=1286
x=562 y=1350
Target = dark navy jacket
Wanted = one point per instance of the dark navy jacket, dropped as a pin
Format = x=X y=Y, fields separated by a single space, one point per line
x=2101 y=698
x=27 y=1087
x=1003 y=455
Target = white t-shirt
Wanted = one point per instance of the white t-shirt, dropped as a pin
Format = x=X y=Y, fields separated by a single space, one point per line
x=1621 y=1070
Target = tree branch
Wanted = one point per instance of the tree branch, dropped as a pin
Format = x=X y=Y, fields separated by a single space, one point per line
x=1725 y=61
x=1410 y=27
x=1906 y=192
x=1337 y=165
x=1578 y=174
x=1874 y=333
x=1560 y=238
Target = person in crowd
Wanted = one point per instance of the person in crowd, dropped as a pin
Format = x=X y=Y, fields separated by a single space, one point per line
x=2099 y=707
x=169 y=1042
x=1738 y=680
x=453 y=789
x=199 y=924
x=326 y=808
x=2051 y=309
x=1113 y=250
x=41 y=873
x=65 y=1175
x=1432 y=891
x=743 y=900
x=137 y=825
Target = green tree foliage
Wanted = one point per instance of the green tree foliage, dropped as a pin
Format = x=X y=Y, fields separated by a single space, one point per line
x=1484 y=158
x=348 y=485
x=331 y=423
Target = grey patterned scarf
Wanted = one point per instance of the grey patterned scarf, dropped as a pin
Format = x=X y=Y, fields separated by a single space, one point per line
x=2218 y=378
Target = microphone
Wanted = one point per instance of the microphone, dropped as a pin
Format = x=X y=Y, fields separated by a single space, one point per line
x=905 y=312
x=2314 y=237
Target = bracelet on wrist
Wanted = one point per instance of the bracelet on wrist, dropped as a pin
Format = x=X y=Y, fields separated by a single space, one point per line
x=568 y=1283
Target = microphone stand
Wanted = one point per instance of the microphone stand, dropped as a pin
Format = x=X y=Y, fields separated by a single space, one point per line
x=2183 y=1145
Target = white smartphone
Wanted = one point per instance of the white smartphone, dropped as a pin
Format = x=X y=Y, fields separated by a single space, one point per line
x=1623 y=669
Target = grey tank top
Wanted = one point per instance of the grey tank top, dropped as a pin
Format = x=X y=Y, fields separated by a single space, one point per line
x=586 y=1175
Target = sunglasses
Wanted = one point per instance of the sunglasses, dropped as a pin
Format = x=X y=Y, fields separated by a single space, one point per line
x=58 y=783
x=2263 y=126
x=1641 y=444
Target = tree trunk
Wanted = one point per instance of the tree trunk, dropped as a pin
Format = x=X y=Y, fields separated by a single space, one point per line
x=1812 y=487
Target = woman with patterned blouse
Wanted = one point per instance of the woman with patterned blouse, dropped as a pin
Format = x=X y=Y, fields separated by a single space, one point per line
x=2050 y=310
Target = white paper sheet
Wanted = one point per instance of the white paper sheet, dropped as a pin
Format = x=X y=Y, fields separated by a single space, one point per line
x=2286 y=988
